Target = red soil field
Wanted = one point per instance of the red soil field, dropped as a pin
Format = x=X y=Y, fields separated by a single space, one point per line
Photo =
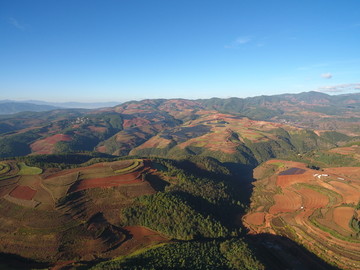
x=342 y=216
x=346 y=150
x=350 y=194
x=351 y=173
x=23 y=192
x=111 y=181
x=140 y=237
x=97 y=129
x=135 y=122
x=313 y=199
x=46 y=146
x=257 y=218
x=142 y=232
x=287 y=202
x=288 y=180
x=75 y=170
x=57 y=138
x=101 y=149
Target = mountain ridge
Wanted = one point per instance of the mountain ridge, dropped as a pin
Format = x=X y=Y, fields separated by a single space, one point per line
x=175 y=124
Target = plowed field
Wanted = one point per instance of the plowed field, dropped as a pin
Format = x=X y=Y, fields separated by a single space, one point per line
x=23 y=192
x=287 y=202
x=342 y=216
x=256 y=218
x=311 y=207
x=111 y=181
x=313 y=199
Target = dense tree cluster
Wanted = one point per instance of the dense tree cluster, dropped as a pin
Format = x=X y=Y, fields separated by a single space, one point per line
x=174 y=217
x=211 y=255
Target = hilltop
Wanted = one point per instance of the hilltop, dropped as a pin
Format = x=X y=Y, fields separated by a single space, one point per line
x=180 y=127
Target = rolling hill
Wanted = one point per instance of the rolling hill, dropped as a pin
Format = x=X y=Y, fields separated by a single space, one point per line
x=246 y=130
x=268 y=182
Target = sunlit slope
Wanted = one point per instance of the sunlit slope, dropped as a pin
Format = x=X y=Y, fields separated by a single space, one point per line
x=185 y=123
x=54 y=215
x=232 y=138
x=316 y=208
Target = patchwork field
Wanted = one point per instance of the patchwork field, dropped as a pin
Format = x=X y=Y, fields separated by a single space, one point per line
x=216 y=132
x=47 y=145
x=53 y=206
x=316 y=208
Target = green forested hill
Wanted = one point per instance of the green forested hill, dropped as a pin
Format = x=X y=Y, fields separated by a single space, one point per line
x=295 y=123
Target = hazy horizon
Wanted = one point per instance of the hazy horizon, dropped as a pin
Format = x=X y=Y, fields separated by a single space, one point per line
x=81 y=51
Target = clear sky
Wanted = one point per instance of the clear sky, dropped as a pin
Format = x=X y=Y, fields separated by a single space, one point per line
x=116 y=50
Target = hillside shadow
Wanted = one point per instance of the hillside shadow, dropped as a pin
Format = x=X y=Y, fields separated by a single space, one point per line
x=241 y=181
x=13 y=261
x=278 y=253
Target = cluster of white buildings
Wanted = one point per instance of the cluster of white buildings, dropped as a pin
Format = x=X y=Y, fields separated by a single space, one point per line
x=319 y=175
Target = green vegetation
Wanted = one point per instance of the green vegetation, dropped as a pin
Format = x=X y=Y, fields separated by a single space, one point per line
x=212 y=190
x=66 y=161
x=239 y=255
x=17 y=145
x=332 y=195
x=335 y=137
x=172 y=216
x=317 y=214
x=355 y=225
x=230 y=254
x=26 y=170
x=83 y=142
x=129 y=169
x=4 y=168
x=307 y=140
x=329 y=110
x=335 y=160
x=196 y=200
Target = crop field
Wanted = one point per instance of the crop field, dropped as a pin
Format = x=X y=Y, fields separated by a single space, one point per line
x=318 y=206
x=215 y=132
x=122 y=174
x=141 y=237
x=23 y=193
x=342 y=217
x=290 y=201
x=45 y=210
x=47 y=145
x=4 y=168
x=292 y=171
x=353 y=151
x=26 y=170
x=256 y=218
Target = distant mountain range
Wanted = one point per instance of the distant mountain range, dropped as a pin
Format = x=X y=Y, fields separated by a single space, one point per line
x=249 y=130
x=11 y=106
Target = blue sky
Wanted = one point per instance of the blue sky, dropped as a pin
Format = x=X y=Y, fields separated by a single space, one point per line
x=93 y=50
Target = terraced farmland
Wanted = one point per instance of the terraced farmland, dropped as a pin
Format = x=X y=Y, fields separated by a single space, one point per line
x=314 y=208
x=72 y=213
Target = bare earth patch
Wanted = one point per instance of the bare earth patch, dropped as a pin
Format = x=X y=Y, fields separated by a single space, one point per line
x=342 y=216
x=257 y=218
x=23 y=192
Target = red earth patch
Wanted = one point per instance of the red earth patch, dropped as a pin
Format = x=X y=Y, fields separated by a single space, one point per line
x=110 y=181
x=46 y=146
x=23 y=192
